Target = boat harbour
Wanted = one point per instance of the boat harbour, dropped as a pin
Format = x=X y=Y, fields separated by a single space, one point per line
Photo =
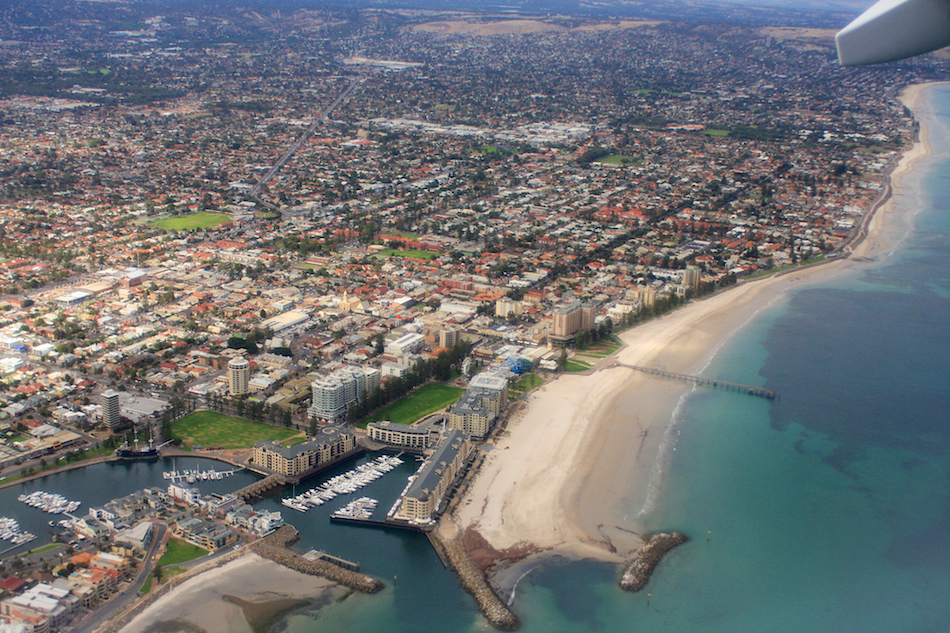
x=361 y=508
x=49 y=502
x=345 y=483
x=10 y=531
x=192 y=476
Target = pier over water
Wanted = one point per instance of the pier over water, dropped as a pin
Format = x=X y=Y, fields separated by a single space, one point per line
x=732 y=386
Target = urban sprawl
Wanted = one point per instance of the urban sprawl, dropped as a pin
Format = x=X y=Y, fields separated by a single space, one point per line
x=299 y=218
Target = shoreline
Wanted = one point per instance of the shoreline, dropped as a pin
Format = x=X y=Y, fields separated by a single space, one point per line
x=611 y=426
x=223 y=599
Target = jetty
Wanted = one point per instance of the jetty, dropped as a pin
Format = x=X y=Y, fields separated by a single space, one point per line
x=699 y=380
x=276 y=547
x=336 y=560
x=191 y=476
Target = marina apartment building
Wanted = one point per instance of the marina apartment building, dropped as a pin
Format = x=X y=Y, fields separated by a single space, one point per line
x=292 y=461
x=399 y=435
x=423 y=497
x=478 y=408
x=333 y=394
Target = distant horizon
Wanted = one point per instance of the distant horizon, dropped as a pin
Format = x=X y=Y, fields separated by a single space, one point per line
x=766 y=11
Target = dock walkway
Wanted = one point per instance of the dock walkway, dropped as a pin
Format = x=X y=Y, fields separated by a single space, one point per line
x=722 y=384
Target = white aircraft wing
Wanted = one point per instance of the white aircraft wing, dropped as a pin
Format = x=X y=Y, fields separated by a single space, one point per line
x=894 y=29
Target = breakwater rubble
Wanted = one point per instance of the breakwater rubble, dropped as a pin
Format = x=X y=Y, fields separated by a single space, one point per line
x=473 y=581
x=638 y=571
x=276 y=547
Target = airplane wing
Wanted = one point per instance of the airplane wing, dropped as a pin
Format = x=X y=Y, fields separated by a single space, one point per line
x=894 y=29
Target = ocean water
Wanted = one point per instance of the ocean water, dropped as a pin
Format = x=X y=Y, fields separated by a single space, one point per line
x=826 y=511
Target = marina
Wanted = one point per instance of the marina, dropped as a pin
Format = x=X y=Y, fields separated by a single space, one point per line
x=10 y=531
x=192 y=476
x=345 y=483
x=49 y=502
x=361 y=508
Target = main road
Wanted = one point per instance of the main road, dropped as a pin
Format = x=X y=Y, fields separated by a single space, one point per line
x=127 y=596
x=320 y=120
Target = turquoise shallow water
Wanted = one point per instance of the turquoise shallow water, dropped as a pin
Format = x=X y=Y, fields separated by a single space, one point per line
x=828 y=511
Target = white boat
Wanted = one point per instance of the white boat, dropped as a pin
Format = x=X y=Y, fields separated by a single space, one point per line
x=49 y=502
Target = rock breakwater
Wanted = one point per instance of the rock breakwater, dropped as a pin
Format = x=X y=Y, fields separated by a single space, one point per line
x=473 y=581
x=639 y=570
x=276 y=547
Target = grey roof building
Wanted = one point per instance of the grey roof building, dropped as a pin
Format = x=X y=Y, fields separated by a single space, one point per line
x=423 y=497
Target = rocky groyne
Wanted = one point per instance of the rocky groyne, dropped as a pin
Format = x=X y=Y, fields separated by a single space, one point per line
x=276 y=547
x=473 y=581
x=638 y=572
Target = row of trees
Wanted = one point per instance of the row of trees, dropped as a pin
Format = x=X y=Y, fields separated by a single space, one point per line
x=439 y=369
x=600 y=331
x=250 y=409
x=177 y=407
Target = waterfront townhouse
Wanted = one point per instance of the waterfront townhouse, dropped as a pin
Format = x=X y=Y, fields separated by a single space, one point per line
x=259 y=522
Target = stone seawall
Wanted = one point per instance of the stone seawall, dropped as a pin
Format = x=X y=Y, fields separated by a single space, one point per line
x=473 y=581
x=276 y=547
x=638 y=572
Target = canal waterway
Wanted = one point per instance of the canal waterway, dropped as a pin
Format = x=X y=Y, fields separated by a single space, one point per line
x=405 y=561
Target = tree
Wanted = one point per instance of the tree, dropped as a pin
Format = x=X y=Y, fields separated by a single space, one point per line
x=562 y=360
x=157 y=572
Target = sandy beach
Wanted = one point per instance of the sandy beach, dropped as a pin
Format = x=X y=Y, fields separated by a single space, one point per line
x=557 y=481
x=247 y=593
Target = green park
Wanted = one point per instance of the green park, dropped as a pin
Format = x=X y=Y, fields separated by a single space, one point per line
x=193 y=221
x=213 y=429
x=420 y=403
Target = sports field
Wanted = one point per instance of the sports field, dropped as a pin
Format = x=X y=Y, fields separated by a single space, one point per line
x=213 y=429
x=193 y=221
x=617 y=159
x=420 y=403
x=416 y=254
